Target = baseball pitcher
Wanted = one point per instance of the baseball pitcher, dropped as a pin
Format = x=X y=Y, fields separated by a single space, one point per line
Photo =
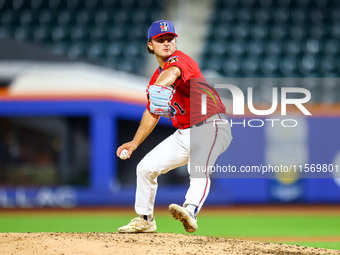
x=169 y=93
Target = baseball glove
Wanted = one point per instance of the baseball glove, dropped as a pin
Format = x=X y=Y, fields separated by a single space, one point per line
x=160 y=100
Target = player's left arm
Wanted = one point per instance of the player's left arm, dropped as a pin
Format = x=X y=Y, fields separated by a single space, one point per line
x=160 y=93
x=169 y=76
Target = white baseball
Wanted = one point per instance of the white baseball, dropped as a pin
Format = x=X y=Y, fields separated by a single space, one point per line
x=124 y=154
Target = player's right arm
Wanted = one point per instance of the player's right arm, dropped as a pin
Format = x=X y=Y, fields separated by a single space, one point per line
x=147 y=124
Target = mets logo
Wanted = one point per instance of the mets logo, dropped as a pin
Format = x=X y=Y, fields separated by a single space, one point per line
x=164 y=26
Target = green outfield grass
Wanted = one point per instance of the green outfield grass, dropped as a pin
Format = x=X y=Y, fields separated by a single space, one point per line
x=211 y=225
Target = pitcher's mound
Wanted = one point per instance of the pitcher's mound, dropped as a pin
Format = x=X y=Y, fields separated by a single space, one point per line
x=154 y=243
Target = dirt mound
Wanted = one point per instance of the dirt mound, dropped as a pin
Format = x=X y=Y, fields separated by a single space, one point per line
x=155 y=243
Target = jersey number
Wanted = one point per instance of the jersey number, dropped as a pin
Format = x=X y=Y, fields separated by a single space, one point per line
x=179 y=108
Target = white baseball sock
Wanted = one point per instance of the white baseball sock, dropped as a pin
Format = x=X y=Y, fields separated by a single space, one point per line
x=191 y=208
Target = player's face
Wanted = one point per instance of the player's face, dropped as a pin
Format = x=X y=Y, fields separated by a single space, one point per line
x=163 y=46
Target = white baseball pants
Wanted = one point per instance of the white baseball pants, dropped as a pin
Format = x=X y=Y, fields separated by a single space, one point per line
x=196 y=146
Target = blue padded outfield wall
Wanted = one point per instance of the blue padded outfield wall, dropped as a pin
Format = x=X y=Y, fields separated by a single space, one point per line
x=317 y=139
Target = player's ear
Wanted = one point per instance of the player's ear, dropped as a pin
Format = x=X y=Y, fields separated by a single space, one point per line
x=150 y=45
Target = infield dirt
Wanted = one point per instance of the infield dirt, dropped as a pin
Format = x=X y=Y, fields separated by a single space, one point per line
x=153 y=243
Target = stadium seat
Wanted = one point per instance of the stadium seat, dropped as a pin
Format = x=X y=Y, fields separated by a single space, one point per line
x=302 y=3
x=284 y=38
x=236 y=48
x=250 y=67
x=318 y=31
x=218 y=48
x=308 y=64
x=110 y=4
x=19 y=5
x=331 y=46
x=335 y=30
x=284 y=3
x=280 y=16
x=27 y=18
x=297 y=32
x=65 y=18
x=60 y=34
x=298 y=16
x=139 y=16
x=146 y=4
x=6 y=32
x=121 y=18
x=22 y=33
x=56 y=5
x=7 y=18
x=132 y=50
x=265 y=3
x=313 y=47
x=273 y=48
x=116 y=33
x=60 y=48
x=254 y=48
x=240 y=31
x=262 y=16
x=247 y=3
x=89 y=29
x=224 y=17
x=83 y=17
x=328 y=64
x=102 y=17
x=91 y=4
x=39 y=5
x=335 y=14
x=288 y=66
x=329 y=90
x=244 y=15
x=231 y=67
x=278 y=32
x=137 y=33
x=258 y=32
x=215 y=63
x=96 y=50
x=46 y=17
x=79 y=33
x=40 y=34
x=115 y=50
x=316 y=17
x=126 y=66
x=74 y=4
x=77 y=50
x=221 y=32
x=98 y=34
x=4 y=4
x=293 y=47
x=221 y=4
x=269 y=66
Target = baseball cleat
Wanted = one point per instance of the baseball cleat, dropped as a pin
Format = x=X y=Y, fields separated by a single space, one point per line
x=188 y=220
x=139 y=225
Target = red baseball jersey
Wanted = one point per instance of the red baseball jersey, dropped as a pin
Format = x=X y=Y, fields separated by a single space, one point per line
x=189 y=87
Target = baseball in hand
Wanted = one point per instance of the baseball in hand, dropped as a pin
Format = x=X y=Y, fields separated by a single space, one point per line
x=124 y=154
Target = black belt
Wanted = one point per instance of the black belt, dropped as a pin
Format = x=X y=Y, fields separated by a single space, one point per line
x=199 y=124
x=219 y=115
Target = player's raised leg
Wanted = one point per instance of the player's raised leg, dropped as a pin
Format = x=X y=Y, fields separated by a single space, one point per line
x=207 y=143
x=184 y=215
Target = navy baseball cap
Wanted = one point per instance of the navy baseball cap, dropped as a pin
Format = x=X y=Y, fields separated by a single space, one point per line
x=161 y=27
